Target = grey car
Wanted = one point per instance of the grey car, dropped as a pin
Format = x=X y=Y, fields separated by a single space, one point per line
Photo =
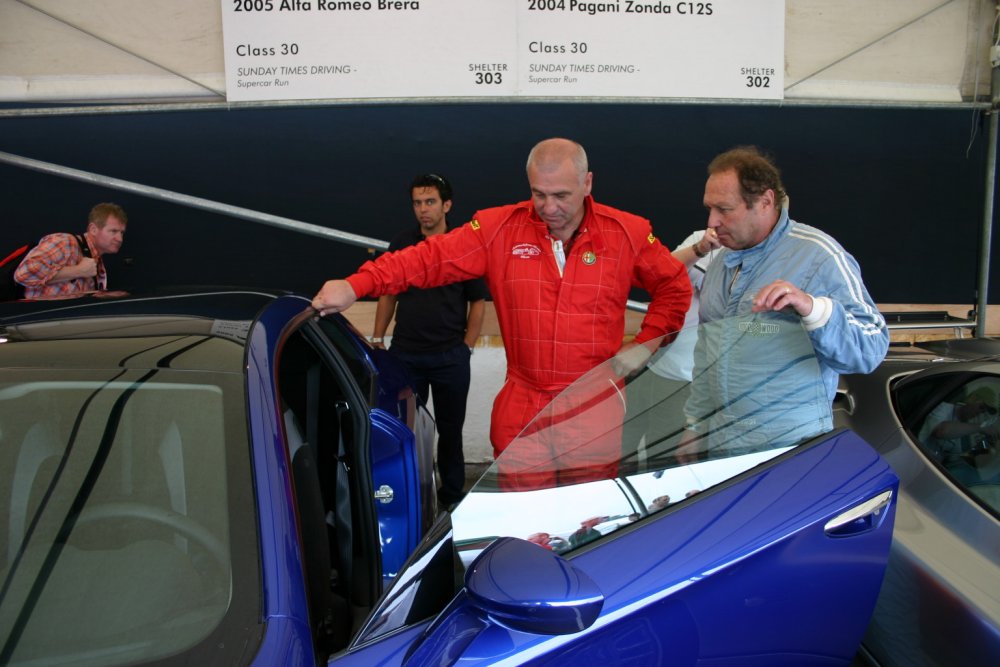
x=931 y=411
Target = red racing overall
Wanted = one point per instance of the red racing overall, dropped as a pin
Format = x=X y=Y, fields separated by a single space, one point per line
x=555 y=327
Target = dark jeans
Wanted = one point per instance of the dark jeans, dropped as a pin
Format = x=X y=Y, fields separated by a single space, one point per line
x=447 y=375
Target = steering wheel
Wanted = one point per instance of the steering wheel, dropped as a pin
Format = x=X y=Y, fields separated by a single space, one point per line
x=179 y=523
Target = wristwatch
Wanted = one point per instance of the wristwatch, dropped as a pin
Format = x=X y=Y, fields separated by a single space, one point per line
x=376 y=339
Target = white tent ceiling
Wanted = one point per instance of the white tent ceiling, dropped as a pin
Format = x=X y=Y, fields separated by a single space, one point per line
x=897 y=51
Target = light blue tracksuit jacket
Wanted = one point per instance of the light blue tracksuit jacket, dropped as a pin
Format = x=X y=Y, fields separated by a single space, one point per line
x=762 y=380
x=855 y=338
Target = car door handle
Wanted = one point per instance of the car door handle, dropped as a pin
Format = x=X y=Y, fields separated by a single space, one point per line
x=859 y=519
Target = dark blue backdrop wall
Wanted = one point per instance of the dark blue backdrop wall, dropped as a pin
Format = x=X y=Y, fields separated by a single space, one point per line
x=901 y=189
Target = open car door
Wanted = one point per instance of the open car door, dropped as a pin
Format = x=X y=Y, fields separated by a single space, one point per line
x=648 y=521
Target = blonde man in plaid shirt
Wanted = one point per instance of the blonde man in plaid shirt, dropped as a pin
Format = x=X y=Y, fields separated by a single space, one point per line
x=58 y=267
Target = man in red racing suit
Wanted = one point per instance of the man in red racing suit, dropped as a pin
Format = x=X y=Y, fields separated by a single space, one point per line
x=559 y=268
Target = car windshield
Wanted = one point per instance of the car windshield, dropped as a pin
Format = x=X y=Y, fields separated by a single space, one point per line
x=615 y=448
x=115 y=488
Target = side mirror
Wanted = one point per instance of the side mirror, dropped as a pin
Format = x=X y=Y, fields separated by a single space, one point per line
x=516 y=584
x=529 y=588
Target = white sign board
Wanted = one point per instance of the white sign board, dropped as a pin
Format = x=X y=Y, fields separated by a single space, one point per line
x=327 y=49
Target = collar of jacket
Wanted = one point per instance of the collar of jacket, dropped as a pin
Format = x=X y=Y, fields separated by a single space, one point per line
x=90 y=244
x=749 y=256
x=587 y=226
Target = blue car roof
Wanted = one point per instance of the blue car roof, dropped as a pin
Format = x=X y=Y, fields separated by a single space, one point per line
x=215 y=303
x=194 y=330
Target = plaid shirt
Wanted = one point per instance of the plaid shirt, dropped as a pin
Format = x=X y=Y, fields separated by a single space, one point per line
x=41 y=264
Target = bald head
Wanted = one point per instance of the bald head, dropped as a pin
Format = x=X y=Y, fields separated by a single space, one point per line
x=560 y=185
x=549 y=154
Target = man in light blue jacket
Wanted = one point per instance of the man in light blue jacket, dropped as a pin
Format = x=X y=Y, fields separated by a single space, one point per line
x=772 y=263
x=776 y=273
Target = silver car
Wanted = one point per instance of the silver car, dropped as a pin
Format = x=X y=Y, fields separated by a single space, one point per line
x=931 y=412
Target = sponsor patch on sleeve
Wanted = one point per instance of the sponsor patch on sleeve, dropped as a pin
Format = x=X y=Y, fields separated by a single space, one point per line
x=474 y=224
x=651 y=238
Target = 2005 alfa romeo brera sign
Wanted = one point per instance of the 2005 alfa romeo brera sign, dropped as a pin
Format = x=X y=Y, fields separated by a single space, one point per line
x=364 y=49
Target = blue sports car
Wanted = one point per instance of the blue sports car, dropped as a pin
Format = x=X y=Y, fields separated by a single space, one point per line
x=227 y=479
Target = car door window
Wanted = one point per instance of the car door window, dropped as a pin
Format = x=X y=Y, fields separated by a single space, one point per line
x=613 y=452
x=953 y=419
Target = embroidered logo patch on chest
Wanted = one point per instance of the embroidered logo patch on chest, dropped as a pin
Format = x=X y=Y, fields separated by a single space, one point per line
x=589 y=258
x=526 y=251
x=756 y=328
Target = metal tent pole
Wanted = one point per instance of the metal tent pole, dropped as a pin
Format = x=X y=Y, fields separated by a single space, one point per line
x=194 y=202
x=987 y=232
